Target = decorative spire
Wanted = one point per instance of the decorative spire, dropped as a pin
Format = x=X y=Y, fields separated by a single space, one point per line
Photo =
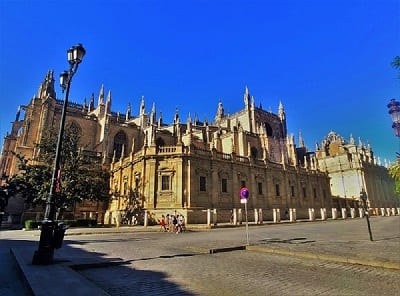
x=301 y=141
x=128 y=112
x=142 y=108
x=176 y=116
x=196 y=118
x=281 y=112
x=360 y=144
x=108 y=101
x=252 y=102
x=91 y=102
x=220 y=112
x=352 y=142
x=189 y=124
x=153 y=114
x=160 y=121
x=316 y=146
x=18 y=113
x=101 y=95
x=246 y=97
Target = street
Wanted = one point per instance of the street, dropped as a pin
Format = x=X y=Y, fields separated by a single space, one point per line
x=160 y=263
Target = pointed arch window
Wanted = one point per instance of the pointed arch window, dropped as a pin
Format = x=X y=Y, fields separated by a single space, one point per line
x=120 y=140
x=268 y=129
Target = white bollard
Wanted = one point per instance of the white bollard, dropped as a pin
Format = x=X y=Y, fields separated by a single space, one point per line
x=260 y=216
x=344 y=213
x=292 y=215
x=334 y=213
x=208 y=217
x=398 y=211
x=393 y=212
x=323 y=214
x=387 y=211
x=361 y=212
x=240 y=216
x=311 y=214
x=382 y=212
x=215 y=217
x=235 y=218
x=255 y=216
x=353 y=213
x=277 y=215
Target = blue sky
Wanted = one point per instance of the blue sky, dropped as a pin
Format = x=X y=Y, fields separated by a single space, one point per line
x=327 y=61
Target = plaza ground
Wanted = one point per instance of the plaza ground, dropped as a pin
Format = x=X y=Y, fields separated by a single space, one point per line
x=313 y=258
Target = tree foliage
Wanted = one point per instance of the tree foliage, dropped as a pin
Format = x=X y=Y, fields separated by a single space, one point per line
x=394 y=171
x=396 y=64
x=81 y=177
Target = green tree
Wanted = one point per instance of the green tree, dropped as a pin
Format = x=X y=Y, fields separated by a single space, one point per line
x=394 y=171
x=396 y=64
x=82 y=176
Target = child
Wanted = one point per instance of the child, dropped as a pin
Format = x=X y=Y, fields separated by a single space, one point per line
x=162 y=223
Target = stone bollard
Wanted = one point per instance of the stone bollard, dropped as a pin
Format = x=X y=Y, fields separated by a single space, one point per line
x=311 y=214
x=208 y=217
x=334 y=214
x=387 y=211
x=398 y=211
x=240 y=216
x=361 y=212
x=344 y=213
x=353 y=213
x=260 y=216
x=146 y=218
x=255 y=216
x=382 y=212
x=277 y=215
x=215 y=217
x=324 y=216
x=235 y=217
x=292 y=215
x=393 y=212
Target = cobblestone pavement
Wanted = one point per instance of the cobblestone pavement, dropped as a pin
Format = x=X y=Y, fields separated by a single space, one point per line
x=158 y=263
x=243 y=273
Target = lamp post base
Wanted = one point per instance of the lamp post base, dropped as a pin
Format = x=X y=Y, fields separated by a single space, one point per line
x=44 y=254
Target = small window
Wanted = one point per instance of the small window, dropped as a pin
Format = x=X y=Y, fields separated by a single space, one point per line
x=292 y=189
x=277 y=191
x=304 y=192
x=165 y=183
x=260 y=191
x=315 y=192
x=202 y=183
x=243 y=184
x=224 y=185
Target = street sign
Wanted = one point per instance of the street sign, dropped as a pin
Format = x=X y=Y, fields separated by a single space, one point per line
x=243 y=200
x=244 y=193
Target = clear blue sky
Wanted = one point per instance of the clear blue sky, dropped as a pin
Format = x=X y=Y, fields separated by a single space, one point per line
x=327 y=61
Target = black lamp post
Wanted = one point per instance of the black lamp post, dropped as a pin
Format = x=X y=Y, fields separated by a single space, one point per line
x=363 y=196
x=394 y=111
x=51 y=234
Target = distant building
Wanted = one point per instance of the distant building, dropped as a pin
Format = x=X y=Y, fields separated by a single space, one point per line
x=352 y=168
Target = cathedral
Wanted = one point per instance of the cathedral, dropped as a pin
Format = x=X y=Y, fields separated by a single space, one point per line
x=192 y=167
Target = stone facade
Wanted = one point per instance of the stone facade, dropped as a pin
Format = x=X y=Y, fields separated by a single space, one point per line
x=197 y=166
x=352 y=168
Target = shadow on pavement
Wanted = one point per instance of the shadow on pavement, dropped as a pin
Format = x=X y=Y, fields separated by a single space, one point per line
x=78 y=272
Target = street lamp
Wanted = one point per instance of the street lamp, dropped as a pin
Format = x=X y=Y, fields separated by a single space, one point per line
x=51 y=234
x=394 y=111
x=363 y=196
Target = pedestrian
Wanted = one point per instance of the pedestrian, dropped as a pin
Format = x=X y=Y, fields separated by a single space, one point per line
x=231 y=218
x=162 y=224
x=175 y=223
x=167 y=222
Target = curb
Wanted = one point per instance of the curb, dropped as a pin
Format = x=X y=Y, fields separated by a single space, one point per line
x=332 y=258
x=227 y=249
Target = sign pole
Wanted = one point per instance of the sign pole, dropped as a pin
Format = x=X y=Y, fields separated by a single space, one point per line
x=244 y=195
x=247 y=224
